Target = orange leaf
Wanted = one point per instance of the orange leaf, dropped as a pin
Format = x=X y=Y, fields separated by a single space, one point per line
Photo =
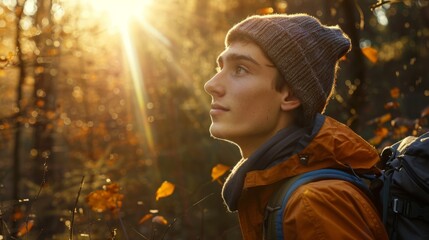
x=401 y=130
x=375 y=140
x=370 y=53
x=382 y=119
x=391 y=105
x=17 y=215
x=145 y=218
x=25 y=228
x=165 y=190
x=160 y=220
x=267 y=10
x=382 y=132
x=218 y=171
x=109 y=199
x=395 y=92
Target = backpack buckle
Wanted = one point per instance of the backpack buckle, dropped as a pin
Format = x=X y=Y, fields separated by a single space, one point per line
x=395 y=205
x=402 y=207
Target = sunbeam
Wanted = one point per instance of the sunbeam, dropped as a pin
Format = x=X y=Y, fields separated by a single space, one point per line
x=139 y=90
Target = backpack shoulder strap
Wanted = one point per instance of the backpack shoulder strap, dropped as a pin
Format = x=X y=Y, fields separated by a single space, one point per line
x=273 y=226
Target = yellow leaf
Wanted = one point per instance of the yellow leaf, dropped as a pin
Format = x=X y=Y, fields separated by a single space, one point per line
x=165 y=190
x=218 y=171
x=145 y=218
x=370 y=53
x=160 y=220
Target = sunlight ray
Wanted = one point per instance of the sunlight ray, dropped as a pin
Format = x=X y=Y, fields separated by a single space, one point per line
x=139 y=90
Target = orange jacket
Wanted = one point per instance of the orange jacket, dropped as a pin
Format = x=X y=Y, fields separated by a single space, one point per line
x=327 y=209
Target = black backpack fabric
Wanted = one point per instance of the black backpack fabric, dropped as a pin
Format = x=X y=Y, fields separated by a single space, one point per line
x=401 y=193
x=404 y=197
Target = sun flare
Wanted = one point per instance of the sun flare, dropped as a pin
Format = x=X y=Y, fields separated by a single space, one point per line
x=119 y=13
x=117 y=16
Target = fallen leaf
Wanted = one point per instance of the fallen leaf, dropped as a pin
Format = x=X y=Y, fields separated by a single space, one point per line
x=145 y=218
x=395 y=92
x=370 y=53
x=108 y=199
x=218 y=171
x=165 y=190
x=25 y=228
x=160 y=220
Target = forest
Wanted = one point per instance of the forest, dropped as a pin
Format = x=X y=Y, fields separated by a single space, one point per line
x=104 y=119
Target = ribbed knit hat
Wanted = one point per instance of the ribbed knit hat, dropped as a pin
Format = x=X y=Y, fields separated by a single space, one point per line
x=304 y=51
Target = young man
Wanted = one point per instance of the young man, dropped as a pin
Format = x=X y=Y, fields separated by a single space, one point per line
x=275 y=77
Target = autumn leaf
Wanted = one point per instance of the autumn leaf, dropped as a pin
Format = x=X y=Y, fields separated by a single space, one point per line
x=370 y=53
x=218 y=171
x=375 y=140
x=395 y=92
x=106 y=199
x=380 y=120
x=391 y=105
x=17 y=215
x=145 y=218
x=160 y=220
x=267 y=10
x=25 y=228
x=382 y=132
x=401 y=130
x=165 y=190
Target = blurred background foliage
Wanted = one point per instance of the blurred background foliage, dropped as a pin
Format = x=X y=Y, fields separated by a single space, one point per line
x=104 y=120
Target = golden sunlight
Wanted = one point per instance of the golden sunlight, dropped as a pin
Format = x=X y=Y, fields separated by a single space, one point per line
x=116 y=16
x=119 y=12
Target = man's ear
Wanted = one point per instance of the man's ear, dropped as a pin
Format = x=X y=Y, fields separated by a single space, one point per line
x=289 y=101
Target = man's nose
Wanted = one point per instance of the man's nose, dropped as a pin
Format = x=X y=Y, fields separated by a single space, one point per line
x=213 y=86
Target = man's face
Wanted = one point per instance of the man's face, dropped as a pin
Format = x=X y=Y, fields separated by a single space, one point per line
x=246 y=108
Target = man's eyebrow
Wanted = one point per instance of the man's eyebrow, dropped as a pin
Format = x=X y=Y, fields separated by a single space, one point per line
x=236 y=57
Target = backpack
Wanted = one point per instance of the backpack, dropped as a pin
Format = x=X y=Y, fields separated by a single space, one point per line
x=401 y=193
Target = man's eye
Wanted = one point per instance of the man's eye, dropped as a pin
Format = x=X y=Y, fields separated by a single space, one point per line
x=240 y=70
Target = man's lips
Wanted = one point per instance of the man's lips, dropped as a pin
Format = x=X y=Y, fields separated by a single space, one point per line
x=217 y=108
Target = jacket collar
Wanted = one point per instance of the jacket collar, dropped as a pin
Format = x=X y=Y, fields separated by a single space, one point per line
x=331 y=145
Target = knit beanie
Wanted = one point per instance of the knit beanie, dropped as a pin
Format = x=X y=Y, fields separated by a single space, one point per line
x=304 y=51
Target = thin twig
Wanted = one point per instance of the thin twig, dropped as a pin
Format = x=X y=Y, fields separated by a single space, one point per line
x=361 y=16
x=30 y=207
x=170 y=227
x=122 y=226
x=74 y=208
x=383 y=2
x=141 y=235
